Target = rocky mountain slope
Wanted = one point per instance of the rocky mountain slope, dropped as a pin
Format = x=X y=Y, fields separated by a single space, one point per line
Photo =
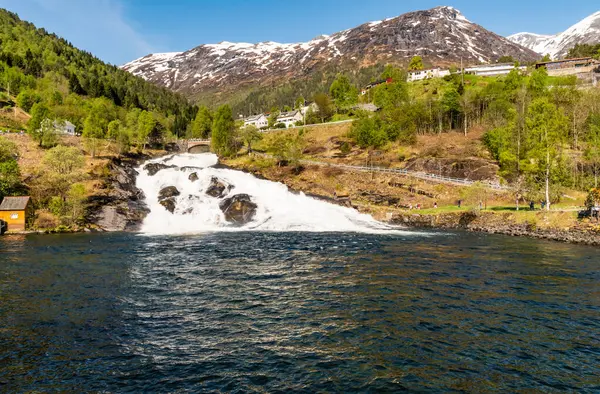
x=557 y=46
x=441 y=35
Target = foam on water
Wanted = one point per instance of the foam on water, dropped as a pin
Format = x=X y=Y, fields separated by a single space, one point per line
x=278 y=208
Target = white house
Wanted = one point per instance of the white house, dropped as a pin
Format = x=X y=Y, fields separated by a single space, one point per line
x=64 y=127
x=419 y=75
x=492 y=70
x=290 y=118
x=259 y=121
x=306 y=108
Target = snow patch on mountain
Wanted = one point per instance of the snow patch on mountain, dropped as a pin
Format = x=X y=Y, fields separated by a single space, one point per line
x=587 y=31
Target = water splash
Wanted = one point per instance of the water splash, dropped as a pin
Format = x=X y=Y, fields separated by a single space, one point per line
x=278 y=208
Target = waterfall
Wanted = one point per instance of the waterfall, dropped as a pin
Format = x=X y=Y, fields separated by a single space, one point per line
x=276 y=208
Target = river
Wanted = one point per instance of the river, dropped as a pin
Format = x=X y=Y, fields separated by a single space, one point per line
x=256 y=311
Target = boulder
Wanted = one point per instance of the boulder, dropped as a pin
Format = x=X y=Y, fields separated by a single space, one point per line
x=193 y=177
x=238 y=209
x=169 y=204
x=153 y=168
x=218 y=188
x=168 y=192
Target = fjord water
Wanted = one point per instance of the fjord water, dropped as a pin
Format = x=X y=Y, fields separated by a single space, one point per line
x=298 y=312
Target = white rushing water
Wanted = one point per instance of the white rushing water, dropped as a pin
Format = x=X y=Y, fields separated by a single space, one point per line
x=278 y=208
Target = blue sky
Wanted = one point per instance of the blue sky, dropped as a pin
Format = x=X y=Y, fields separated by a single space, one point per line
x=118 y=31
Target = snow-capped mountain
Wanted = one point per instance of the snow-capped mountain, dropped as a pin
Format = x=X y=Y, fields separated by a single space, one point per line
x=441 y=35
x=557 y=46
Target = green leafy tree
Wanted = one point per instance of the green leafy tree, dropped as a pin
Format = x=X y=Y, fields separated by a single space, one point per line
x=63 y=165
x=145 y=125
x=223 y=138
x=39 y=112
x=547 y=132
x=392 y=95
x=10 y=176
x=27 y=98
x=592 y=150
x=546 y=58
x=249 y=135
x=273 y=116
x=202 y=124
x=343 y=92
x=368 y=132
x=299 y=103
x=416 y=63
x=49 y=133
x=120 y=135
x=506 y=59
x=324 y=106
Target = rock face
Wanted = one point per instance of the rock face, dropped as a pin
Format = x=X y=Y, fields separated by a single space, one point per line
x=473 y=168
x=166 y=198
x=218 y=188
x=442 y=36
x=153 y=168
x=169 y=204
x=119 y=205
x=193 y=177
x=167 y=192
x=238 y=209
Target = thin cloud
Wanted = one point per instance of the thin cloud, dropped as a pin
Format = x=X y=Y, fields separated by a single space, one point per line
x=97 y=26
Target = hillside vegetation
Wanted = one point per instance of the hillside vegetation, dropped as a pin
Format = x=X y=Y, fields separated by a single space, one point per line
x=40 y=69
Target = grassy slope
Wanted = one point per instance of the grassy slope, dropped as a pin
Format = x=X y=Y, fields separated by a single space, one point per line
x=384 y=195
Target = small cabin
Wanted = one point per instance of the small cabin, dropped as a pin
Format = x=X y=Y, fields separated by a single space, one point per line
x=16 y=211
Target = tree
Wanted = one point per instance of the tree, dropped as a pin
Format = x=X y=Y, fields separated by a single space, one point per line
x=546 y=58
x=249 y=135
x=202 y=124
x=272 y=120
x=299 y=103
x=223 y=140
x=592 y=151
x=416 y=63
x=506 y=59
x=39 y=112
x=63 y=167
x=367 y=132
x=538 y=82
x=145 y=125
x=390 y=95
x=92 y=134
x=547 y=130
x=324 y=106
x=27 y=98
x=118 y=133
x=48 y=133
x=343 y=92
x=10 y=176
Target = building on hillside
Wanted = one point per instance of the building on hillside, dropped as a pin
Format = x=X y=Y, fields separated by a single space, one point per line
x=290 y=118
x=376 y=83
x=259 y=121
x=16 y=211
x=419 y=75
x=64 y=127
x=576 y=66
x=492 y=70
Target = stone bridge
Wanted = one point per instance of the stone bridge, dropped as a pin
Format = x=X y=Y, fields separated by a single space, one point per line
x=194 y=145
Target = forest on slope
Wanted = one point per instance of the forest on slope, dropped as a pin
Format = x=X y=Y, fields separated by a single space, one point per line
x=41 y=69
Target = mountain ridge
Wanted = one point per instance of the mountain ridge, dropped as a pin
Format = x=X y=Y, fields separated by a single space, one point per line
x=586 y=31
x=441 y=35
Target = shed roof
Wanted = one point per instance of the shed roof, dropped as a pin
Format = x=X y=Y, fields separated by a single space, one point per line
x=14 y=203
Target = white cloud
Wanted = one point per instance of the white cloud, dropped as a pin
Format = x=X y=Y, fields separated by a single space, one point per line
x=97 y=26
